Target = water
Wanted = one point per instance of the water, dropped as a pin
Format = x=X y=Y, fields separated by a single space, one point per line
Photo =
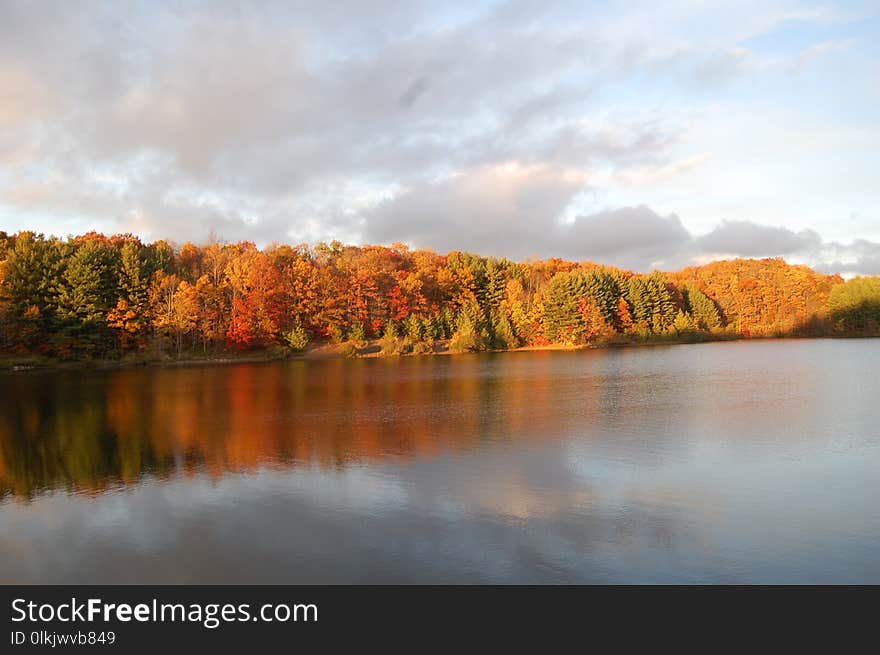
x=729 y=462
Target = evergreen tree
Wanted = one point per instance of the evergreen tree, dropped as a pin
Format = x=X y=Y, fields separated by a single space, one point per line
x=502 y=332
x=561 y=314
x=31 y=276
x=431 y=328
x=129 y=315
x=653 y=309
x=604 y=287
x=638 y=299
x=88 y=285
x=413 y=327
x=496 y=283
x=297 y=338
x=446 y=323
x=469 y=335
x=662 y=306
x=389 y=343
x=87 y=291
x=357 y=335
x=29 y=289
x=134 y=278
x=701 y=307
x=682 y=323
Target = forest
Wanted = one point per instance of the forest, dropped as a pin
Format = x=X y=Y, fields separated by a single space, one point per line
x=115 y=298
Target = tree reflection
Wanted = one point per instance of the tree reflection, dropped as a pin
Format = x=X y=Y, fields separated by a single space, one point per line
x=85 y=432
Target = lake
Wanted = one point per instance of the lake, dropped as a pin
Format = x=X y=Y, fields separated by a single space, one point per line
x=750 y=461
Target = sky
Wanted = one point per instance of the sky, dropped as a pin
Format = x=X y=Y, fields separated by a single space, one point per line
x=638 y=134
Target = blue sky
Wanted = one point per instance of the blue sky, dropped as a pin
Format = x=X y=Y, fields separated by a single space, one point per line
x=646 y=135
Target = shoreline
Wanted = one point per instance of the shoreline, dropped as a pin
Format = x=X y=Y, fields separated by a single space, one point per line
x=24 y=363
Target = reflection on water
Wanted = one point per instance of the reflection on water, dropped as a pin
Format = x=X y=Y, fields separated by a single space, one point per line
x=750 y=461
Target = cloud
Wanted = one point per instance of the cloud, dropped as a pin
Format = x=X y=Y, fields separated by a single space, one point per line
x=504 y=210
x=630 y=237
x=518 y=211
x=861 y=257
x=752 y=240
x=483 y=127
x=647 y=175
x=22 y=96
x=821 y=49
x=515 y=211
x=747 y=239
x=257 y=105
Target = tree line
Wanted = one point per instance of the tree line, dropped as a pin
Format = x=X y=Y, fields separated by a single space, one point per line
x=97 y=296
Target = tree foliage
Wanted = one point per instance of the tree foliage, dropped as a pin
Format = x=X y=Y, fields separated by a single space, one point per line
x=855 y=306
x=95 y=295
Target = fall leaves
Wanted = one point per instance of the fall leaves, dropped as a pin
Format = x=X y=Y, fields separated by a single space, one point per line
x=95 y=295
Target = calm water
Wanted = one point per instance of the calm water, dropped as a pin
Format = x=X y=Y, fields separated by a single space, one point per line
x=732 y=462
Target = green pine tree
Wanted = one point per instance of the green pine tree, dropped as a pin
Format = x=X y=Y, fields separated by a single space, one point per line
x=704 y=312
x=502 y=332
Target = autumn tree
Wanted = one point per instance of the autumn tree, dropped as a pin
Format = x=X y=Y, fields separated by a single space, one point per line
x=855 y=306
x=623 y=320
x=97 y=295
x=175 y=308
